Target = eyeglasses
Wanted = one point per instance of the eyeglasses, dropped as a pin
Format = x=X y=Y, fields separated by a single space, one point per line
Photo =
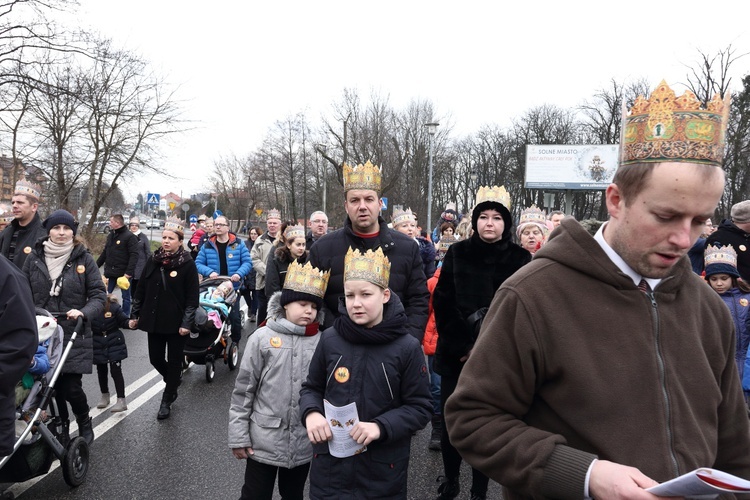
x=134 y=224
x=220 y=225
x=319 y=221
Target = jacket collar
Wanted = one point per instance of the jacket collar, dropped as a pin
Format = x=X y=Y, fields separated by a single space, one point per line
x=385 y=236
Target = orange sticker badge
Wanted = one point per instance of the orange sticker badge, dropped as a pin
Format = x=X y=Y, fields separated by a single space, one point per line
x=275 y=341
x=27 y=250
x=173 y=274
x=80 y=269
x=743 y=302
x=341 y=375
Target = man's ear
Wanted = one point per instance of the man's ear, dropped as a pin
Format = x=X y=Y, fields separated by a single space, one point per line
x=615 y=201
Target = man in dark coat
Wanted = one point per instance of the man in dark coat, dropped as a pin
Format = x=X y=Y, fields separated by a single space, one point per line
x=17 y=240
x=119 y=257
x=736 y=232
x=364 y=230
x=18 y=342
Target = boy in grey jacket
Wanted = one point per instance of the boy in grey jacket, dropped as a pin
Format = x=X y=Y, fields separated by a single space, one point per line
x=264 y=424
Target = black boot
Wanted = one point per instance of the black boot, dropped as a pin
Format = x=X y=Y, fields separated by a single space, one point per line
x=437 y=430
x=449 y=488
x=166 y=405
x=64 y=436
x=85 y=428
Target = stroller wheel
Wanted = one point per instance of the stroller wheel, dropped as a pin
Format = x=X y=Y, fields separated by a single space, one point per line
x=75 y=463
x=210 y=371
x=234 y=355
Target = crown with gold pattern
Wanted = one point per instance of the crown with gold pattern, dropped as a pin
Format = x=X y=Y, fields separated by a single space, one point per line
x=373 y=267
x=6 y=217
x=28 y=189
x=533 y=214
x=669 y=128
x=494 y=193
x=292 y=232
x=306 y=279
x=720 y=255
x=273 y=214
x=173 y=224
x=367 y=176
x=401 y=216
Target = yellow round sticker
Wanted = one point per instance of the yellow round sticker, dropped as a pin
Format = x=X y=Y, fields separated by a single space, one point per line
x=275 y=342
x=80 y=269
x=27 y=250
x=107 y=314
x=117 y=242
x=743 y=302
x=342 y=374
x=743 y=247
x=173 y=274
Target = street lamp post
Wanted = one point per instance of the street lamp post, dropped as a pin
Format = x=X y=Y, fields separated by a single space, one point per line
x=322 y=148
x=431 y=129
x=473 y=176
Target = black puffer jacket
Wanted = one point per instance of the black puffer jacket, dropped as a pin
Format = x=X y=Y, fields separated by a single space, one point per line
x=27 y=238
x=276 y=267
x=381 y=369
x=729 y=234
x=407 y=276
x=109 y=341
x=120 y=254
x=166 y=298
x=144 y=252
x=82 y=289
x=472 y=272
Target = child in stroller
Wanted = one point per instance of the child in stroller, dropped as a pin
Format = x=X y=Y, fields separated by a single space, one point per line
x=216 y=301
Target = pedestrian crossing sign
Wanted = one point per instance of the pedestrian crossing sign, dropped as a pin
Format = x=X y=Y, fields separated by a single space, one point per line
x=152 y=199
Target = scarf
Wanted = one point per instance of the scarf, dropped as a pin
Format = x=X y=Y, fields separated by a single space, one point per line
x=384 y=332
x=171 y=260
x=56 y=256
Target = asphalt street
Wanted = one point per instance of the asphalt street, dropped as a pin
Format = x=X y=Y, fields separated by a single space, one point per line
x=136 y=456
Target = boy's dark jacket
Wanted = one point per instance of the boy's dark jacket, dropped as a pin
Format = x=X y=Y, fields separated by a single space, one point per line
x=385 y=374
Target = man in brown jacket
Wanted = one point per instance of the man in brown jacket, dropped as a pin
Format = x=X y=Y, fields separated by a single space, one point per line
x=630 y=380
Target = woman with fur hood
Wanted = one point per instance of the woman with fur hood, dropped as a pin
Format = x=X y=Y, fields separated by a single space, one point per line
x=264 y=424
x=289 y=248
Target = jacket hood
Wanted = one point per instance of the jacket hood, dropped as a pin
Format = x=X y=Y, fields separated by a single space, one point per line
x=232 y=238
x=728 y=225
x=275 y=311
x=572 y=246
x=504 y=212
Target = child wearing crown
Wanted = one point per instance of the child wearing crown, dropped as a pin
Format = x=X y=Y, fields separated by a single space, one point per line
x=367 y=358
x=264 y=425
x=722 y=275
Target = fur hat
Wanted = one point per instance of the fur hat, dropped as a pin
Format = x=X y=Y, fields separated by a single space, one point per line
x=741 y=212
x=60 y=217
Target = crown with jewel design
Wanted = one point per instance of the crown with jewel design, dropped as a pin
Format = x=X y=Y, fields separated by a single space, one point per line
x=401 y=216
x=533 y=214
x=173 y=224
x=306 y=279
x=494 y=193
x=367 y=176
x=669 y=128
x=28 y=189
x=273 y=214
x=6 y=217
x=720 y=255
x=292 y=232
x=373 y=267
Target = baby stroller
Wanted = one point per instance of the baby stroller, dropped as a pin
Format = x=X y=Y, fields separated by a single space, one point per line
x=207 y=342
x=38 y=444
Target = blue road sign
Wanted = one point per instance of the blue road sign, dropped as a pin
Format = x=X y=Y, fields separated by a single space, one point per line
x=152 y=198
x=383 y=203
x=193 y=218
x=218 y=213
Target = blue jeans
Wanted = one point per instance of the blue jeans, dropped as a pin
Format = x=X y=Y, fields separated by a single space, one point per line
x=434 y=386
x=111 y=284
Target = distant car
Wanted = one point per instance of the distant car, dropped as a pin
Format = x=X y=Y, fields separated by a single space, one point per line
x=102 y=226
x=155 y=224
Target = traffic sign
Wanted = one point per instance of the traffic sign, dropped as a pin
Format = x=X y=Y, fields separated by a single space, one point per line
x=218 y=213
x=153 y=198
x=383 y=203
x=258 y=211
x=193 y=218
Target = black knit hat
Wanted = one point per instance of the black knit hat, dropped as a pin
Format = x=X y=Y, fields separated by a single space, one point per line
x=500 y=208
x=288 y=296
x=60 y=217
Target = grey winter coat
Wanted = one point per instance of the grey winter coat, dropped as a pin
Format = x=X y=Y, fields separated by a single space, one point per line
x=82 y=289
x=259 y=255
x=264 y=409
x=144 y=252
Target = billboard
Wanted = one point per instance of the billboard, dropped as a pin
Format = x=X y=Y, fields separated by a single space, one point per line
x=550 y=166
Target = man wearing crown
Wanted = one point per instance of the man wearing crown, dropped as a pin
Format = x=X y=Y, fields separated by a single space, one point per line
x=18 y=238
x=364 y=229
x=630 y=381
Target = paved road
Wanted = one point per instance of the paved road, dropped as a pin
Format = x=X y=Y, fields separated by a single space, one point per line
x=136 y=456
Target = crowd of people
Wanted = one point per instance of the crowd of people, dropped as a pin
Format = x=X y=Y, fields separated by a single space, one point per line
x=558 y=363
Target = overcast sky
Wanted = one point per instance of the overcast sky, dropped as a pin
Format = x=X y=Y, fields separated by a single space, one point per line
x=243 y=65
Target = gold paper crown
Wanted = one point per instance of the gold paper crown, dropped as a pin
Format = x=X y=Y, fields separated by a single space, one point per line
x=720 y=255
x=445 y=243
x=669 y=128
x=28 y=189
x=273 y=214
x=306 y=279
x=292 y=232
x=401 y=216
x=367 y=176
x=173 y=224
x=533 y=214
x=494 y=193
x=6 y=217
x=373 y=267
